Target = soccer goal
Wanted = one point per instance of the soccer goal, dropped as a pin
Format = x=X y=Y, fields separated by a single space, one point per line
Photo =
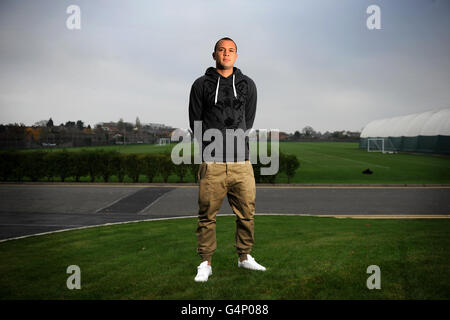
x=382 y=145
x=164 y=141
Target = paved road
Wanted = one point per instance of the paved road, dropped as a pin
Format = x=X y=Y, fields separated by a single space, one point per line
x=27 y=209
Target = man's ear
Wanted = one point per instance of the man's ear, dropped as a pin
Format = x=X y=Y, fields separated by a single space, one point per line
x=214 y=55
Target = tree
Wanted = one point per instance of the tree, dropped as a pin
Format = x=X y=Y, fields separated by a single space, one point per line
x=134 y=164
x=92 y=163
x=118 y=164
x=33 y=133
x=34 y=165
x=106 y=168
x=308 y=131
x=194 y=167
x=128 y=127
x=165 y=165
x=61 y=164
x=80 y=125
x=150 y=166
x=138 y=123
x=120 y=125
x=69 y=124
x=291 y=165
x=79 y=164
x=40 y=123
x=49 y=123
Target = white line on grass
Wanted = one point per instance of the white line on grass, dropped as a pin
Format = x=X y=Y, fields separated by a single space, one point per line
x=93 y=226
x=444 y=216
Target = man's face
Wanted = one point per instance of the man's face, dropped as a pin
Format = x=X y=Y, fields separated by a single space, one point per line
x=225 y=54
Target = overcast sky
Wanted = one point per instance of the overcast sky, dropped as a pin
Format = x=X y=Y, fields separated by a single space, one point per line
x=314 y=62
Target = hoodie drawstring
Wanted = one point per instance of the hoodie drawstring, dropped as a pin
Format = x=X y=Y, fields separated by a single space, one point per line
x=217 y=89
x=234 y=88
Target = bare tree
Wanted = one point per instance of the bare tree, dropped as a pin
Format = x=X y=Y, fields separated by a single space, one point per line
x=308 y=131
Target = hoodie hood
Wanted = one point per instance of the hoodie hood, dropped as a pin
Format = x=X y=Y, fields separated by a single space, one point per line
x=212 y=73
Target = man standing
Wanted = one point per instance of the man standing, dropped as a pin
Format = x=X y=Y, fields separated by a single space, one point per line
x=224 y=99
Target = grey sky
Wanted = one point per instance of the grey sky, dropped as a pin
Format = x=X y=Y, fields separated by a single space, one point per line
x=314 y=62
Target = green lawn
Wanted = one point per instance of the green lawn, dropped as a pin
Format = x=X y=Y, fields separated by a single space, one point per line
x=342 y=162
x=306 y=257
x=332 y=162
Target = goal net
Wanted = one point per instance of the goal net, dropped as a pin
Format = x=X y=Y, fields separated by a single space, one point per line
x=383 y=145
x=164 y=141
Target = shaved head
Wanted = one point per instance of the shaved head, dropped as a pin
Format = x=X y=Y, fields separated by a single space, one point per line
x=226 y=38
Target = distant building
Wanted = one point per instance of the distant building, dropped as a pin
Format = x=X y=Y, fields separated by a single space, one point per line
x=425 y=132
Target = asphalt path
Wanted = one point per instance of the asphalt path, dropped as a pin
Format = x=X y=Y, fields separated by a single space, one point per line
x=29 y=209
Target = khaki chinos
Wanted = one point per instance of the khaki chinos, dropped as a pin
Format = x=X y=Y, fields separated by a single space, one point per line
x=218 y=179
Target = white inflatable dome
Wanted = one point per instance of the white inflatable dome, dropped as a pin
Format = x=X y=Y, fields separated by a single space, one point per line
x=430 y=123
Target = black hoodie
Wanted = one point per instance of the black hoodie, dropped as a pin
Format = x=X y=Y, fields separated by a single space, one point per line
x=223 y=103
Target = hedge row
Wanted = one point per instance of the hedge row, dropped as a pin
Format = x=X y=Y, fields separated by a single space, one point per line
x=41 y=165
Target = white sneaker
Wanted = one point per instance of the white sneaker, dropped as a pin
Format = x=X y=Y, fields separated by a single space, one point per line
x=203 y=272
x=251 y=264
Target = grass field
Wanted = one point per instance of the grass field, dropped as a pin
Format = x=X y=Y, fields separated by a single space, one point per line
x=306 y=257
x=333 y=162
x=340 y=162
